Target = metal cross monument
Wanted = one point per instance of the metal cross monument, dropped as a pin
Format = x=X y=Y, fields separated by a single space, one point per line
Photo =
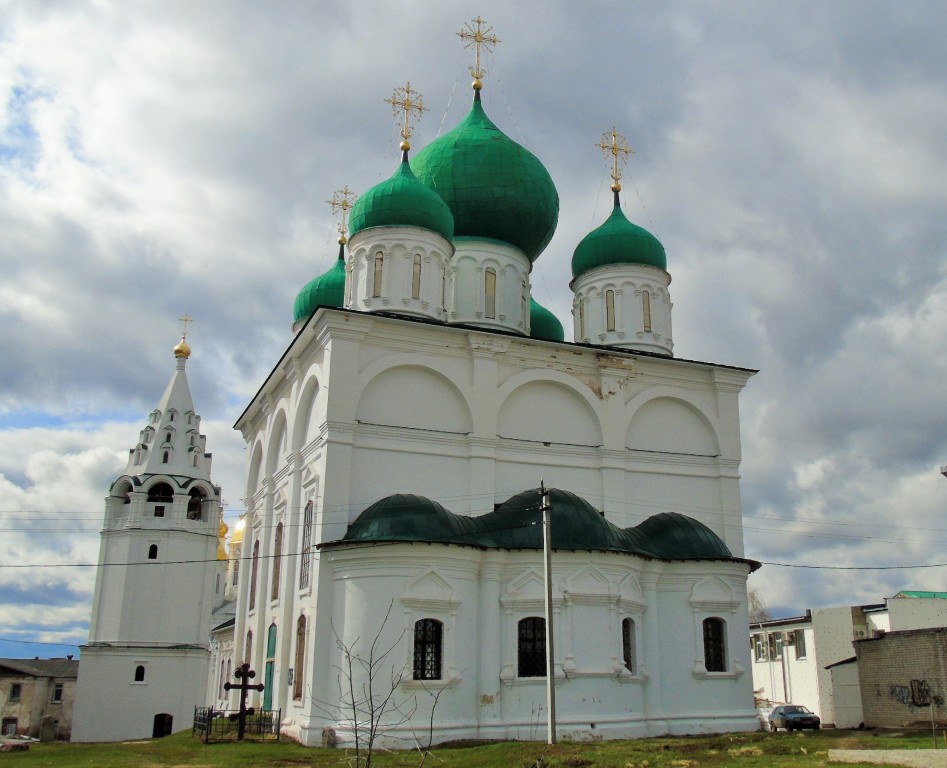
x=244 y=674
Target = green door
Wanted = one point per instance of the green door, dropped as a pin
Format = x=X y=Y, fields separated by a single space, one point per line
x=270 y=668
x=268 y=686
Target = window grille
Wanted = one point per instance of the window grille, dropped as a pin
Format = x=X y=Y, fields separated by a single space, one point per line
x=714 y=659
x=531 y=647
x=428 y=648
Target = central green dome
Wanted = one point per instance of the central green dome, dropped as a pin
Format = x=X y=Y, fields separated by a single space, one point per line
x=402 y=201
x=496 y=189
x=617 y=241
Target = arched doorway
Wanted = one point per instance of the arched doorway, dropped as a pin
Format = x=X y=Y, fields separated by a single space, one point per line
x=162 y=726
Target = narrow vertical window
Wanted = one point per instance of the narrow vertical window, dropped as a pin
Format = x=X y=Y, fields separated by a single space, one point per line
x=628 y=644
x=348 y=287
x=140 y=674
x=306 y=552
x=277 y=560
x=490 y=293
x=253 y=570
x=300 y=658
x=221 y=681
x=714 y=650
x=428 y=649
x=248 y=648
x=799 y=638
x=57 y=693
x=646 y=309
x=444 y=288
x=531 y=647
x=416 y=277
x=376 y=280
x=164 y=458
x=153 y=552
x=581 y=320
x=609 y=310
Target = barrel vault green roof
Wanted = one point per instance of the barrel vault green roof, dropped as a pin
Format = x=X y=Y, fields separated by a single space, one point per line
x=576 y=525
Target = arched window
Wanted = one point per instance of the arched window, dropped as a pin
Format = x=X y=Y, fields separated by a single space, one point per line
x=220 y=685
x=416 y=277
x=306 y=552
x=153 y=552
x=236 y=567
x=167 y=437
x=195 y=504
x=428 y=649
x=171 y=415
x=715 y=659
x=277 y=560
x=140 y=673
x=248 y=648
x=161 y=493
x=531 y=647
x=165 y=456
x=490 y=293
x=376 y=278
x=609 y=310
x=646 y=309
x=300 y=658
x=581 y=320
x=628 y=644
x=253 y=569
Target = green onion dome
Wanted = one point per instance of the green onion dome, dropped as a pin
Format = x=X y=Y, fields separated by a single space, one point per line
x=327 y=290
x=674 y=536
x=496 y=189
x=543 y=324
x=402 y=201
x=617 y=241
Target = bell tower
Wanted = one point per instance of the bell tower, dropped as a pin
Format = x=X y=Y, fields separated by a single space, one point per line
x=145 y=664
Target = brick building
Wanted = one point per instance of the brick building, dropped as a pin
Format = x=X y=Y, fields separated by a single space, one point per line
x=903 y=677
x=36 y=697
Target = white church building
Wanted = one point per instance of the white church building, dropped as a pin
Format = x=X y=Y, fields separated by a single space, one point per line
x=392 y=497
x=395 y=453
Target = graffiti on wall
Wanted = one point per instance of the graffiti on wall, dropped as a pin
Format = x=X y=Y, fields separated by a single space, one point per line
x=918 y=694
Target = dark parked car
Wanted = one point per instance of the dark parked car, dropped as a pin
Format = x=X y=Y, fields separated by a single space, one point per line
x=793 y=717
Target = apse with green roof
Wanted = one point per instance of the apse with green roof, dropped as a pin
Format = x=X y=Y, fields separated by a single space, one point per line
x=620 y=277
x=401 y=232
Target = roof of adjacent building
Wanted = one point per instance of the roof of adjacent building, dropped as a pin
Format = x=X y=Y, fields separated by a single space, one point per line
x=576 y=525
x=921 y=594
x=41 y=667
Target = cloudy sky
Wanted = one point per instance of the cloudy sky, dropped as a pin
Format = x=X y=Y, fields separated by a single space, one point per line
x=162 y=158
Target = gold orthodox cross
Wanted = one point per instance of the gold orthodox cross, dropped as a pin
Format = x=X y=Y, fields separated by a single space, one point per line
x=341 y=202
x=478 y=38
x=184 y=320
x=614 y=144
x=409 y=101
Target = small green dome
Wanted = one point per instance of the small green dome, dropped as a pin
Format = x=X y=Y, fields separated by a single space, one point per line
x=327 y=290
x=402 y=201
x=543 y=324
x=495 y=188
x=674 y=536
x=617 y=241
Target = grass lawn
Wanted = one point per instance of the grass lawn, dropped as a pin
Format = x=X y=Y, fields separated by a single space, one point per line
x=745 y=750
